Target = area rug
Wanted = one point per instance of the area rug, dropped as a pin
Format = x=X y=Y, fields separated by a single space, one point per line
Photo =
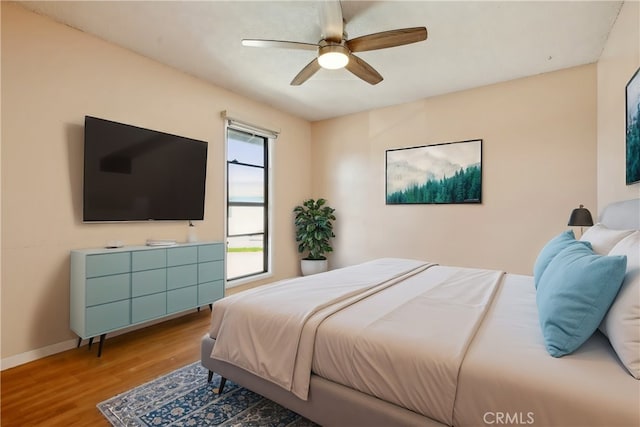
x=185 y=398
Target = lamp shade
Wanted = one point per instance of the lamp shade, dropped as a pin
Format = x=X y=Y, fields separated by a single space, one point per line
x=581 y=217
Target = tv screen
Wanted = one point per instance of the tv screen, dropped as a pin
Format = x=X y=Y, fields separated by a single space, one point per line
x=136 y=174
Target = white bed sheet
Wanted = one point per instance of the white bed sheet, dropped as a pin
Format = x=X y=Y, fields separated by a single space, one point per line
x=508 y=373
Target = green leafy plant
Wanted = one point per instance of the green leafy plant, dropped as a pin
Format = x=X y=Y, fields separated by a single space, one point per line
x=314 y=228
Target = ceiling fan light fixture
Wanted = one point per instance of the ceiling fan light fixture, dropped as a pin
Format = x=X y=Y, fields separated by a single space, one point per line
x=333 y=57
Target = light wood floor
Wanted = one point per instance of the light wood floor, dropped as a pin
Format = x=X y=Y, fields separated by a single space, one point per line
x=63 y=389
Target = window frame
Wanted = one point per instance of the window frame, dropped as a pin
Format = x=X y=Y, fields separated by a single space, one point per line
x=269 y=139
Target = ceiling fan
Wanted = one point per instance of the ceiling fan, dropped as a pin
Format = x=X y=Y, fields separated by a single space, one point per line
x=335 y=51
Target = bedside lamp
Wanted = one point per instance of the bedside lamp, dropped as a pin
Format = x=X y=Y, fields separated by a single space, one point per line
x=580 y=217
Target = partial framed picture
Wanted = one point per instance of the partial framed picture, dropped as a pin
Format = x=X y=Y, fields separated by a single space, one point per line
x=435 y=174
x=633 y=128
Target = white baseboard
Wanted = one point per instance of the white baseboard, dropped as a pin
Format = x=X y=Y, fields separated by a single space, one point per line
x=39 y=353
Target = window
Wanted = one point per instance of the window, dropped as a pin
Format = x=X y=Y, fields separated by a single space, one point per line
x=247 y=203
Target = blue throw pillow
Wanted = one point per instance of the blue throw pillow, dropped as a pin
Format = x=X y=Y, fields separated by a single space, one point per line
x=575 y=292
x=550 y=250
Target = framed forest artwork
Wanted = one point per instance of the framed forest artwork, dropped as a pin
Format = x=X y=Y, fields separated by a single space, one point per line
x=435 y=174
x=632 y=97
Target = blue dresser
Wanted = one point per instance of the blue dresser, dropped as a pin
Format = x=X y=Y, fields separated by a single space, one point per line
x=115 y=288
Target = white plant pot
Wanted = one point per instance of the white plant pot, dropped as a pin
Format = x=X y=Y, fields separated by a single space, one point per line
x=311 y=266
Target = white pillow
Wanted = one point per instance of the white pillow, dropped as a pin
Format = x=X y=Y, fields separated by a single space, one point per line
x=603 y=239
x=622 y=323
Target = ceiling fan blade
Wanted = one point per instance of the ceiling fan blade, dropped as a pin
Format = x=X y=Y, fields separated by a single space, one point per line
x=309 y=70
x=387 y=39
x=279 y=44
x=331 y=21
x=363 y=70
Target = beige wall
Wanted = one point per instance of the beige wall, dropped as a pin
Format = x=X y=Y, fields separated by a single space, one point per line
x=52 y=76
x=539 y=162
x=619 y=60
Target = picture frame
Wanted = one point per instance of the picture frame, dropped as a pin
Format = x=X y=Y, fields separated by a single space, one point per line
x=446 y=173
x=632 y=129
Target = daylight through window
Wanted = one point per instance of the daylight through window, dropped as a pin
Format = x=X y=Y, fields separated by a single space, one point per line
x=247 y=204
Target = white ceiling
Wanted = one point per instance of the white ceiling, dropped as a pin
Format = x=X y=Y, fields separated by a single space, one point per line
x=470 y=44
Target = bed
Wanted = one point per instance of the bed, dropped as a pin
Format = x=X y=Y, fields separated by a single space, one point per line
x=407 y=342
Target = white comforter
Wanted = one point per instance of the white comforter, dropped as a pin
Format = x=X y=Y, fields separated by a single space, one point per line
x=277 y=332
x=406 y=344
x=270 y=331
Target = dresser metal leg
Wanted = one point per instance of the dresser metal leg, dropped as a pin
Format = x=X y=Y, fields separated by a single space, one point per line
x=102 y=337
x=90 y=343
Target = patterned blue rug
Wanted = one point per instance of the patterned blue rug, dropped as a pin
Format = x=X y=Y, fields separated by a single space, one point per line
x=184 y=398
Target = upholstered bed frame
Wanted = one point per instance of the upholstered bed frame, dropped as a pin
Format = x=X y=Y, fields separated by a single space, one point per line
x=624 y=215
x=330 y=403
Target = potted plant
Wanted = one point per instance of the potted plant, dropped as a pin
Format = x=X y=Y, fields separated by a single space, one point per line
x=314 y=229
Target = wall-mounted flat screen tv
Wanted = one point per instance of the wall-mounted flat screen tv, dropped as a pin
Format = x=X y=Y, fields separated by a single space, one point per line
x=136 y=174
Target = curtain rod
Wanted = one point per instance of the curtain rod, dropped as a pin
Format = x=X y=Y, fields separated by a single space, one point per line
x=233 y=120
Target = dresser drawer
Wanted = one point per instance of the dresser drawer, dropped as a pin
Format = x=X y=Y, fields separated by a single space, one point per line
x=148 y=282
x=210 y=292
x=105 y=289
x=182 y=299
x=105 y=264
x=148 y=307
x=179 y=277
x=147 y=260
x=210 y=271
x=107 y=317
x=210 y=252
x=182 y=256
